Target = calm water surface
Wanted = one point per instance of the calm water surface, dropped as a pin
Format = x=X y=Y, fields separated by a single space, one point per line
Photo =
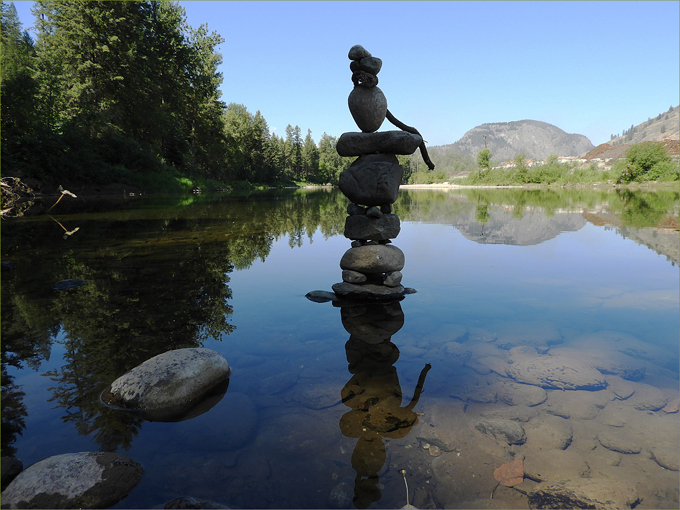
x=321 y=410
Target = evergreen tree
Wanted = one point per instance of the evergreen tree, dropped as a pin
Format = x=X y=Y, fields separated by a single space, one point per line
x=310 y=157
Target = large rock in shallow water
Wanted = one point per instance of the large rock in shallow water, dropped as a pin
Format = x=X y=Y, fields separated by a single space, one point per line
x=74 y=480
x=372 y=180
x=373 y=258
x=557 y=372
x=386 y=142
x=168 y=384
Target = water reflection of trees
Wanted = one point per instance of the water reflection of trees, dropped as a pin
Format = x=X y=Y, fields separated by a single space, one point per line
x=157 y=279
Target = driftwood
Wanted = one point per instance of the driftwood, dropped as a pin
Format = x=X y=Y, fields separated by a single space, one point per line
x=414 y=131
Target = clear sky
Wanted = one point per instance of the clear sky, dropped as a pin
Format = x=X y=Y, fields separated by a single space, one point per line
x=592 y=68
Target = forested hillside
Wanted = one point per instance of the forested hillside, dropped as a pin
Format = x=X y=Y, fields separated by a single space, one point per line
x=129 y=92
x=655 y=129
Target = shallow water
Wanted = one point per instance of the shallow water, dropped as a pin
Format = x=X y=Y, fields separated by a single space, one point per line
x=314 y=418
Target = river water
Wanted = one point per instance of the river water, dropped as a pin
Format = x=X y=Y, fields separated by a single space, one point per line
x=323 y=408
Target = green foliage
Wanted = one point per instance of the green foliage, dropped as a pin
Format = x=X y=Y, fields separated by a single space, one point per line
x=428 y=177
x=484 y=159
x=647 y=162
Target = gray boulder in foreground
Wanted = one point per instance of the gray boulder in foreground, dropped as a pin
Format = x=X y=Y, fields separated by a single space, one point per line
x=173 y=380
x=74 y=480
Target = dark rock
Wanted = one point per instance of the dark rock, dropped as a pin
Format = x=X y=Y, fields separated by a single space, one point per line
x=368 y=291
x=11 y=467
x=168 y=384
x=373 y=258
x=505 y=430
x=392 y=278
x=355 y=209
x=369 y=229
x=370 y=65
x=357 y=52
x=372 y=180
x=7 y=266
x=374 y=322
x=386 y=142
x=74 y=480
x=374 y=213
x=556 y=372
x=368 y=107
x=350 y=276
x=321 y=296
x=71 y=283
x=584 y=493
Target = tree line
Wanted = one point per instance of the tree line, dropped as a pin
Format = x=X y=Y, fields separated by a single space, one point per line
x=129 y=92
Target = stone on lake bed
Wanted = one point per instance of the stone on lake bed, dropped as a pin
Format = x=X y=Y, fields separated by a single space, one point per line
x=169 y=383
x=70 y=283
x=584 y=493
x=74 y=480
x=557 y=372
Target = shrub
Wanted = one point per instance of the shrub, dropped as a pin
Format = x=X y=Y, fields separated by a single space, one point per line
x=645 y=162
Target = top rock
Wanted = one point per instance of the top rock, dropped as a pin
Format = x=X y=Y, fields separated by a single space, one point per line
x=358 y=52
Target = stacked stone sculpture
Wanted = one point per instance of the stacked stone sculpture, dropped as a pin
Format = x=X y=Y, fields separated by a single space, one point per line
x=371 y=268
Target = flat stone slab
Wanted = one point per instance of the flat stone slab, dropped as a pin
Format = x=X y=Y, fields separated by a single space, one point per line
x=386 y=142
x=505 y=430
x=557 y=372
x=549 y=433
x=585 y=493
x=169 y=383
x=617 y=440
x=554 y=466
x=515 y=394
x=666 y=457
x=368 y=291
x=74 y=480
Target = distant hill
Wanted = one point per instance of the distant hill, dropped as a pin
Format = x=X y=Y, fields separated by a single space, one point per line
x=536 y=139
x=665 y=125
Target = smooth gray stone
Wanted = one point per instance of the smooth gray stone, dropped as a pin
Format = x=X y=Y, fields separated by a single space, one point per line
x=618 y=441
x=357 y=52
x=373 y=258
x=370 y=65
x=386 y=142
x=169 y=382
x=353 y=276
x=372 y=180
x=321 y=296
x=74 y=480
x=506 y=430
x=392 y=278
x=557 y=372
x=368 y=107
x=666 y=457
x=368 y=291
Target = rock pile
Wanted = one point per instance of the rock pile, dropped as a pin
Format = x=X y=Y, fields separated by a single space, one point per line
x=371 y=268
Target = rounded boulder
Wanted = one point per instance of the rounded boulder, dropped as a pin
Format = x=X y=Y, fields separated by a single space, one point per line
x=368 y=107
x=174 y=380
x=373 y=258
x=74 y=480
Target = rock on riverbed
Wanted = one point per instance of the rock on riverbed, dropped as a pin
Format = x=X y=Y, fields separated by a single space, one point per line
x=74 y=480
x=168 y=384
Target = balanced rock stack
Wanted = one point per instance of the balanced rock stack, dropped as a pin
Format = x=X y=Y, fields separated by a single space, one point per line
x=372 y=267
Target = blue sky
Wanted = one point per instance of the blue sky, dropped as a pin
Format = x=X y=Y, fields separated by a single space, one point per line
x=592 y=68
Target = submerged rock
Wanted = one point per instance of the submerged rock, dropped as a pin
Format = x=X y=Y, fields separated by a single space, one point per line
x=505 y=430
x=74 y=480
x=584 y=493
x=557 y=372
x=189 y=502
x=169 y=383
x=70 y=283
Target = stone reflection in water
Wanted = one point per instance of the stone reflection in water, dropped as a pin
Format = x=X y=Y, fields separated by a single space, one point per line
x=373 y=393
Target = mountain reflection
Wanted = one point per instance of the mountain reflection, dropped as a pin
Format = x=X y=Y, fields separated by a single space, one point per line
x=374 y=393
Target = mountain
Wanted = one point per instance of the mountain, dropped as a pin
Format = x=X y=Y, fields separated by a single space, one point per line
x=665 y=125
x=505 y=140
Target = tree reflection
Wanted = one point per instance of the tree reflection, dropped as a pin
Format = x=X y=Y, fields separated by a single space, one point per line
x=374 y=393
x=157 y=279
